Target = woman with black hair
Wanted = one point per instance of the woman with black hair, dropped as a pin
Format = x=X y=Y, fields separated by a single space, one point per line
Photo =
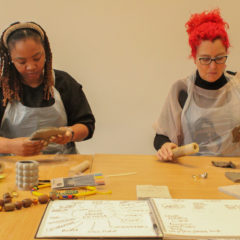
x=34 y=96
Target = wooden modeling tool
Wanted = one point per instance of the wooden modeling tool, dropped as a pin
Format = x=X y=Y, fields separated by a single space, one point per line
x=185 y=150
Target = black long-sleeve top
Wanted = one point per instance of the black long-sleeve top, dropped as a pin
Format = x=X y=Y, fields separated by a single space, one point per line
x=74 y=100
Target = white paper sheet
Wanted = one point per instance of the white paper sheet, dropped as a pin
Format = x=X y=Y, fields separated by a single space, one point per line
x=199 y=218
x=97 y=218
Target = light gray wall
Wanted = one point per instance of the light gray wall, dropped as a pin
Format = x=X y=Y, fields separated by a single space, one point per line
x=126 y=54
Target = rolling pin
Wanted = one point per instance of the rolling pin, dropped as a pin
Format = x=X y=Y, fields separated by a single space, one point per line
x=80 y=168
x=185 y=150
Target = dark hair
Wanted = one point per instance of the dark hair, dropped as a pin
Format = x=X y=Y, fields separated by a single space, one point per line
x=9 y=76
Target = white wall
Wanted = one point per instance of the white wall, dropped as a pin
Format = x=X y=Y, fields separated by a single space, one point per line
x=125 y=53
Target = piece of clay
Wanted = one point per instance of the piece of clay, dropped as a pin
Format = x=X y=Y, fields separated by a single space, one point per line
x=80 y=168
x=185 y=150
x=7 y=200
x=46 y=133
x=26 y=174
x=18 y=205
x=53 y=195
x=27 y=202
x=9 y=207
x=6 y=195
x=43 y=199
x=224 y=164
x=233 y=176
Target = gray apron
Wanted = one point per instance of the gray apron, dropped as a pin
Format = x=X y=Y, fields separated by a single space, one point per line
x=21 y=121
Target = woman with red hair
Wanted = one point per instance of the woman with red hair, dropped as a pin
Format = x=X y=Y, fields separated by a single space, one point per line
x=204 y=107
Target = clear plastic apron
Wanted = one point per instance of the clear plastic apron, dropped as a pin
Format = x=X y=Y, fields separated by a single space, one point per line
x=21 y=121
x=209 y=117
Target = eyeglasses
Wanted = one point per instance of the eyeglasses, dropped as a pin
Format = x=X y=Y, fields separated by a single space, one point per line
x=208 y=60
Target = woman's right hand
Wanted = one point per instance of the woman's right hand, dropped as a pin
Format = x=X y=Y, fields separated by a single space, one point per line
x=165 y=152
x=24 y=147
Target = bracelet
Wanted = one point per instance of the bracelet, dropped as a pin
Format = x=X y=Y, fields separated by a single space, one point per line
x=68 y=194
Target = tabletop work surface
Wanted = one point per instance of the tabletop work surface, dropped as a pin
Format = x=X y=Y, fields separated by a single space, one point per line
x=122 y=173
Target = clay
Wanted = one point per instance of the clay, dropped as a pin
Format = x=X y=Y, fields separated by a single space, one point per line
x=224 y=164
x=26 y=174
x=53 y=196
x=9 y=207
x=1 y=202
x=46 y=133
x=43 y=199
x=77 y=170
x=7 y=200
x=27 y=202
x=233 y=176
x=185 y=150
x=6 y=195
x=35 y=201
x=18 y=205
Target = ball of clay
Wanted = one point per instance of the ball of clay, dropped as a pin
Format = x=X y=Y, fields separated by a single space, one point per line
x=27 y=202
x=53 y=196
x=43 y=199
x=18 y=204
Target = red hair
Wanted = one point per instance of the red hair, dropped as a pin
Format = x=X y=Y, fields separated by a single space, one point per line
x=206 y=26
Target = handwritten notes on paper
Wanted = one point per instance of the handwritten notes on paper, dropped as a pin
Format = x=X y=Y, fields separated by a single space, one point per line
x=179 y=219
x=95 y=218
x=199 y=218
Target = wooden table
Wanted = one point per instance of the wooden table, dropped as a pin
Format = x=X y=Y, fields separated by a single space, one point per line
x=22 y=224
x=144 y=169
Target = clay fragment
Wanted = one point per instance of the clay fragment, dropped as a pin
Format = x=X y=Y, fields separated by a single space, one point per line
x=27 y=202
x=43 y=199
x=18 y=204
x=9 y=207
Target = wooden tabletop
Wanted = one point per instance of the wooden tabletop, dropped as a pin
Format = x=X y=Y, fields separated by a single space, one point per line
x=22 y=224
x=122 y=173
